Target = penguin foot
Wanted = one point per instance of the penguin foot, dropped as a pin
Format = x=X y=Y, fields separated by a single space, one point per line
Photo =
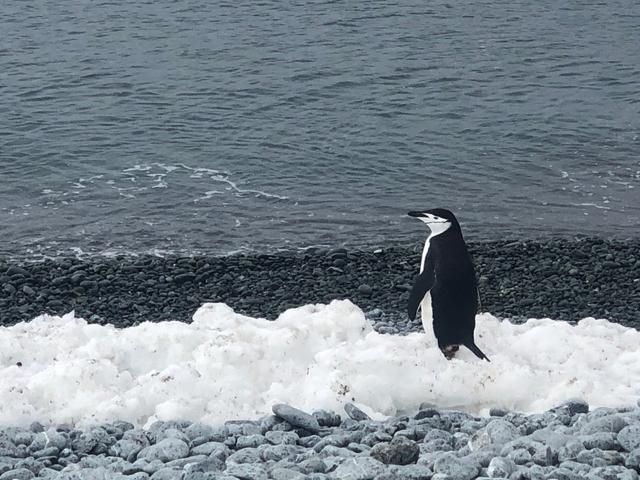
x=449 y=351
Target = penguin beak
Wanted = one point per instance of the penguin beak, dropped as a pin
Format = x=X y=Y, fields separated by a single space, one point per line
x=416 y=214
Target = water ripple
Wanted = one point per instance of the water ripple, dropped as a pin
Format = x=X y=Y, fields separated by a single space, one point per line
x=217 y=127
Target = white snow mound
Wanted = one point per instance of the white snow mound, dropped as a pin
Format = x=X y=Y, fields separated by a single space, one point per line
x=227 y=366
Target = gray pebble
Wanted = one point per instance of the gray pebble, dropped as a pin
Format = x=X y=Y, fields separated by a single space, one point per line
x=355 y=413
x=250 y=441
x=629 y=437
x=246 y=455
x=181 y=463
x=210 y=447
x=167 y=474
x=409 y=472
x=570 y=451
x=575 y=466
x=359 y=468
x=246 y=471
x=458 y=468
x=597 y=458
x=400 y=451
x=165 y=450
x=500 y=467
x=573 y=407
x=608 y=423
x=130 y=444
x=333 y=451
x=336 y=439
x=47 y=452
x=17 y=474
x=279 y=452
x=612 y=472
x=601 y=440
x=633 y=460
x=376 y=437
x=296 y=417
x=7 y=447
x=276 y=438
x=286 y=474
x=309 y=441
x=520 y=456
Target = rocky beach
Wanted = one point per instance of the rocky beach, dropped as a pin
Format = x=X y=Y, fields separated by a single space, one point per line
x=562 y=279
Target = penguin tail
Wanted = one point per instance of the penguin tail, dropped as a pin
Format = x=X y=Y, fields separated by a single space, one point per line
x=471 y=345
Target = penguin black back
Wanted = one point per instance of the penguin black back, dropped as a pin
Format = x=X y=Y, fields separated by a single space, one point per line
x=447 y=280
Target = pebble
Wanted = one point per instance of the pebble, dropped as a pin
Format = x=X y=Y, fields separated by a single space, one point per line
x=355 y=413
x=609 y=423
x=500 y=467
x=296 y=417
x=569 y=441
x=400 y=451
x=166 y=450
x=629 y=437
x=18 y=474
x=246 y=472
x=459 y=468
x=359 y=468
x=295 y=274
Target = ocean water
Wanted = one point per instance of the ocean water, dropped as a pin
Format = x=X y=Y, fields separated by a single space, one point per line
x=217 y=127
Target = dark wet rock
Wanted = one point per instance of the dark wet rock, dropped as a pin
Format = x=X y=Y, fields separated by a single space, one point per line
x=327 y=419
x=572 y=407
x=498 y=412
x=505 y=292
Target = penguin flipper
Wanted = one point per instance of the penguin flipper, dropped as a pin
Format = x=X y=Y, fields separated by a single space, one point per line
x=471 y=345
x=424 y=282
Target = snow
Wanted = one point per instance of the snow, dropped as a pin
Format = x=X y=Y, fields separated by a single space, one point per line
x=227 y=366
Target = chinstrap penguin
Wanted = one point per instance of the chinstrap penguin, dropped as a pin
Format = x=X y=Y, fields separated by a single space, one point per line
x=446 y=288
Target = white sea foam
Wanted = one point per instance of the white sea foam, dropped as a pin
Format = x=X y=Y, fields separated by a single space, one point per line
x=225 y=366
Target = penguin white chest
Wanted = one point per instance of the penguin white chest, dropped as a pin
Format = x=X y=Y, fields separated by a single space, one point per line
x=426 y=311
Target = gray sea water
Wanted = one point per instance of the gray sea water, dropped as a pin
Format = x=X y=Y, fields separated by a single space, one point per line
x=132 y=126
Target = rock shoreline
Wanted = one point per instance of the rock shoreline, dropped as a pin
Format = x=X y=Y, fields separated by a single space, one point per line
x=557 y=278
x=568 y=442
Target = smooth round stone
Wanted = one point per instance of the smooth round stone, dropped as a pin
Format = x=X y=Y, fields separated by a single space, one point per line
x=629 y=437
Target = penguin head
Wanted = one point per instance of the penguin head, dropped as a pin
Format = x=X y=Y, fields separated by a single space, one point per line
x=439 y=220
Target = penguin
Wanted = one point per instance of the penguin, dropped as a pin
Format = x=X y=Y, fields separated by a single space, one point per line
x=446 y=288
